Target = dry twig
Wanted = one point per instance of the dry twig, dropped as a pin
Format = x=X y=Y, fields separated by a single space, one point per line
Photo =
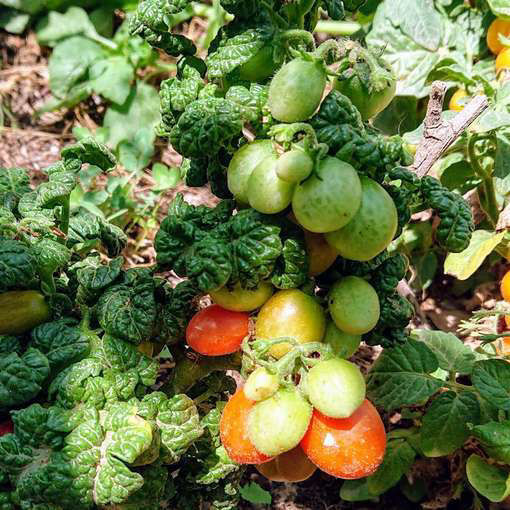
x=439 y=134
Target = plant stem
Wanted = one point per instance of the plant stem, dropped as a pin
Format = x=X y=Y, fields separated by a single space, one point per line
x=345 y=28
x=64 y=220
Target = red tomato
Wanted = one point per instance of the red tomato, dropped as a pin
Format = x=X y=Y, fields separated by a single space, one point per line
x=215 y=331
x=6 y=427
x=234 y=431
x=348 y=448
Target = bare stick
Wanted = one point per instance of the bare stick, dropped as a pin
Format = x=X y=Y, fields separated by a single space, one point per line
x=439 y=134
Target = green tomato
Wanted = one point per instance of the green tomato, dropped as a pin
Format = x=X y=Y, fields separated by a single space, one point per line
x=261 y=384
x=293 y=314
x=260 y=67
x=294 y=166
x=344 y=345
x=330 y=198
x=336 y=387
x=354 y=305
x=368 y=102
x=372 y=228
x=242 y=300
x=296 y=90
x=267 y=193
x=242 y=165
x=277 y=424
x=21 y=311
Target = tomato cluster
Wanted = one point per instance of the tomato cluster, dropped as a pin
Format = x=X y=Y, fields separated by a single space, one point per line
x=296 y=420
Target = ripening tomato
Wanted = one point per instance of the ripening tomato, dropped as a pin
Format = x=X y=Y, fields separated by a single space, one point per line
x=498 y=26
x=296 y=90
x=321 y=254
x=234 y=430
x=242 y=165
x=261 y=384
x=242 y=300
x=330 y=198
x=267 y=193
x=348 y=448
x=290 y=313
x=371 y=229
x=215 y=331
x=503 y=60
x=6 y=427
x=505 y=287
x=292 y=466
x=458 y=100
x=354 y=305
x=277 y=424
x=503 y=345
x=335 y=387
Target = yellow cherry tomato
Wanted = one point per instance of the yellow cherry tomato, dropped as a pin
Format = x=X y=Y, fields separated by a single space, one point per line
x=242 y=300
x=503 y=60
x=498 y=26
x=321 y=254
x=505 y=287
x=293 y=314
x=458 y=100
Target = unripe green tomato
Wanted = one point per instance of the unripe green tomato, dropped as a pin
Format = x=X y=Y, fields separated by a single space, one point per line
x=21 y=311
x=354 y=305
x=267 y=193
x=260 y=67
x=294 y=166
x=261 y=384
x=242 y=165
x=296 y=90
x=242 y=300
x=329 y=199
x=371 y=229
x=336 y=387
x=278 y=424
x=343 y=344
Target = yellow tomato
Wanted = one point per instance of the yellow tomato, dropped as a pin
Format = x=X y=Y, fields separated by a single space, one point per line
x=505 y=286
x=458 y=100
x=503 y=60
x=498 y=26
x=242 y=300
x=291 y=466
x=321 y=254
x=290 y=313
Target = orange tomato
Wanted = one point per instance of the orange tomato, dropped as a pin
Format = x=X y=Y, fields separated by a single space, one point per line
x=348 y=448
x=291 y=466
x=507 y=321
x=503 y=60
x=498 y=26
x=505 y=286
x=215 y=331
x=321 y=254
x=503 y=345
x=458 y=101
x=234 y=430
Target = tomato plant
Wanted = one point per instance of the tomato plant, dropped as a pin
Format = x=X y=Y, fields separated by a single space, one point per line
x=238 y=299
x=291 y=466
x=335 y=387
x=234 y=430
x=503 y=60
x=344 y=345
x=290 y=314
x=348 y=448
x=329 y=199
x=215 y=331
x=261 y=384
x=296 y=90
x=278 y=423
x=458 y=100
x=260 y=67
x=321 y=254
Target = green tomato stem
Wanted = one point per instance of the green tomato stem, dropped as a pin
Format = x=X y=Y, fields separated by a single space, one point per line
x=345 y=28
x=64 y=220
x=296 y=35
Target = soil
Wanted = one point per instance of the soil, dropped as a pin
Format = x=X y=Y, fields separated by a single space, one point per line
x=34 y=142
